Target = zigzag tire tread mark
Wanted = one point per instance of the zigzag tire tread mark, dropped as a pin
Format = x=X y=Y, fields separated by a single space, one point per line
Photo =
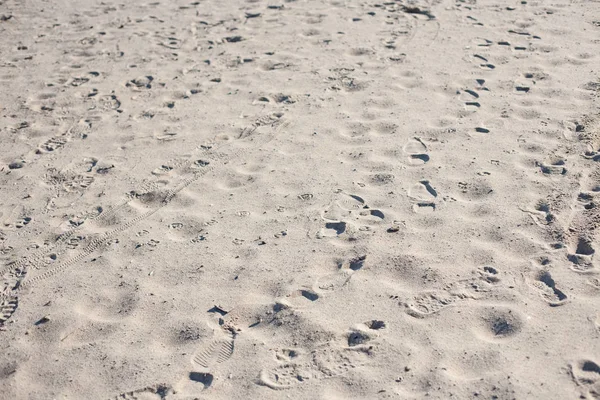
x=9 y=303
x=34 y=260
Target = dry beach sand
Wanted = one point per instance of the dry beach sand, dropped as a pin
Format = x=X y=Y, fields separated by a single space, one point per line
x=299 y=199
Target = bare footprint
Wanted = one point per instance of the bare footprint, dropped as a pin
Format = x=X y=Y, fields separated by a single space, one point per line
x=586 y=374
x=416 y=151
x=425 y=195
x=299 y=298
x=545 y=285
x=343 y=214
x=350 y=202
x=364 y=333
x=352 y=206
x=346 y=270
x=430 y=302
x=330 y=283
x=427 y=304
x=555 y=166
x=325 y=361
x=333 y=229
x=423 y=191
x=582 y=256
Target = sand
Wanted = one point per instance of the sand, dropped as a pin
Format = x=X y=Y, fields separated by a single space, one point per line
x=299 y=199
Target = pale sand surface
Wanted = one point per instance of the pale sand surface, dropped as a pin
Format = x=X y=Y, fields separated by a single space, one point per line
x=299 y=199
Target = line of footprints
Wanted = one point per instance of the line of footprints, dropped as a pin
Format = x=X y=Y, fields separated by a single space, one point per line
x=296 y=366
x=349 y=212
x=292 y=366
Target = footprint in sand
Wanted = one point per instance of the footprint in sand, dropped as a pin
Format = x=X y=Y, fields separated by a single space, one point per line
x=356 y=207
x=423 y=191
x=416 y=150
x=483 y=62
x=543 y=209
x=8 y=306
x=140 y=83
x=350 y=202
x=542 y=281
x=470 y=99
x=162 y=170
x=472 y=106
x=553 y=167
x=156 y=392
x=21 y=222
x=210 y=355
x=332 y=229
x=430 y=302
x=215 y=352
x=325 y=361
x=582 y=255
x=586 y=199
x=339 y=279
x=586 y=374
x=424 y=195
x=334 y=281
x=52 y=144
x=361 y=334
x=299 y=298
x=345 y=212
x=77 y=183
x=325 y=284
x=109 y=102
x=15 y=219
x=592 y=153
x=207 y=360
x=498 y=323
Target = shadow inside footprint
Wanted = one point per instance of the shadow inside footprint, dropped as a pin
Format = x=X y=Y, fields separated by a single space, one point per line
x=309 y=295
x=357 y=198
x=582 y=258
x=554 y=296
x=377 y=213
x=356 y=338
x=421 y=157
x=585 y=372
x=204 y=378
x=423 y=208
x=375 y=324
x=338 y=227
x=590 y=366
x=357 y=262
x=584 y=247
x=429 y=188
